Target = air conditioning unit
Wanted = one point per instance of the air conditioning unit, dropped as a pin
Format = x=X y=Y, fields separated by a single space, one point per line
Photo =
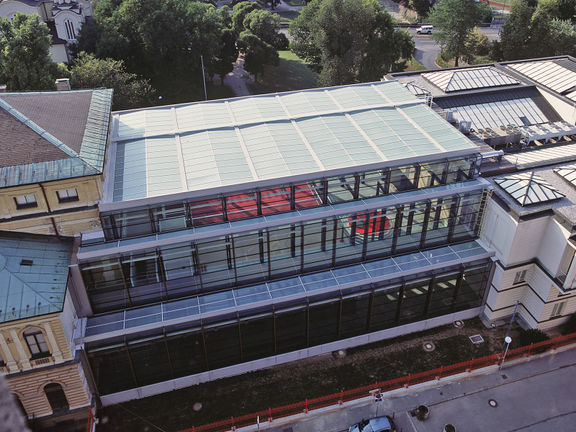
x=465 y=126
x=449 y=116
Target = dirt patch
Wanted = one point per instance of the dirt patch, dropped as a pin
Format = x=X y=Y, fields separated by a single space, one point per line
x=309 y=378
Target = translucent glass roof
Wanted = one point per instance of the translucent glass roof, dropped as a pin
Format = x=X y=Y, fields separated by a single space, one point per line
x=528 y=188
x=468 y=79
x=227 y=142
x=568 y=173
x=286 y=289
x=33 y=275
x=517 y=112
x=558 y=75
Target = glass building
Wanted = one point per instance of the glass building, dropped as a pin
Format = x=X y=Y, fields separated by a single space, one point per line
x=246 y=232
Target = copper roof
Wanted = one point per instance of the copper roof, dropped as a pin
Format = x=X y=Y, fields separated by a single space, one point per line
x=52 y=135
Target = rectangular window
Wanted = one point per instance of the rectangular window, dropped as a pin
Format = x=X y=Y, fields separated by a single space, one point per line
x=520 y=277
x=67 y=195
x=26 y=201
x=557 y=310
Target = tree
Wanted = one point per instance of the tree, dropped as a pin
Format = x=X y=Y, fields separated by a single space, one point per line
x=532 y=30
x=25 y=62
x=349 y=41
x=516 y=31
x=240 y=11
x=454 y=20
x=222 y=64
x=421 y=7
x=257 y=53
x=90 y=72
x=263 y=24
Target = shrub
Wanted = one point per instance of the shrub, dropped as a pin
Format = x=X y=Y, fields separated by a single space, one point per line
x=569 y=326
x=531 y=336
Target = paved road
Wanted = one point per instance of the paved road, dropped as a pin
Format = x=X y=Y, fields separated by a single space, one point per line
x=531 y=396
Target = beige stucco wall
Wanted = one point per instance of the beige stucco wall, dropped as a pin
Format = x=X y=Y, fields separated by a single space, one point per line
x=68 y=222
x=29 y=388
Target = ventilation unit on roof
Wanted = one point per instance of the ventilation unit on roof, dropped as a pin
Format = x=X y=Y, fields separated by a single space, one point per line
x=449 y=116
x=465 y=126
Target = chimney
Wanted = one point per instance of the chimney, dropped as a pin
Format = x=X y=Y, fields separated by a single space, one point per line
x=2 y=88
x=63 y=84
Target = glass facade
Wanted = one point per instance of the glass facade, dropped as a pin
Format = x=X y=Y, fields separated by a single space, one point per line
x=216 y=209
x=240 y=259
x=173 y=352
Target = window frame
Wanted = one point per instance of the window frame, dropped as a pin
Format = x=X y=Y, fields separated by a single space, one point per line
x=558 y=309
x=69 y=197
x=520 y=277
x=34 y=333
x=26 y=204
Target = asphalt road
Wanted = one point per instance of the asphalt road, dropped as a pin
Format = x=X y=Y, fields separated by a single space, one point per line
x=531 y=396
x=427 y=50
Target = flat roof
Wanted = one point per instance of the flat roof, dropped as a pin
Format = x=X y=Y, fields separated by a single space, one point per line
x=33 y=275
x=210 y=145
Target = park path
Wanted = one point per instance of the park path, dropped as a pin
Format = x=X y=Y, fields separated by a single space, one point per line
x=238 y=78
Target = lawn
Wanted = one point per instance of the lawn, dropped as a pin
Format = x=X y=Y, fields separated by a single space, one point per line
x=308 y=378
x=413 y=65
x=290 y=74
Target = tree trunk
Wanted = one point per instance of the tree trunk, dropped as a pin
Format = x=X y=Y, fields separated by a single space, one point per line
x=456 y=61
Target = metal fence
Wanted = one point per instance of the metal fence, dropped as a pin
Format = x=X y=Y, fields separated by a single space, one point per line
x=271 y=414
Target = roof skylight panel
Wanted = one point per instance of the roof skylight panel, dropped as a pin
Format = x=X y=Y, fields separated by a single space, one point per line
x=131 y=124
x=308 y=103
x=202 y=116
x=256 y=109
x=159 y=122
x=162 y=173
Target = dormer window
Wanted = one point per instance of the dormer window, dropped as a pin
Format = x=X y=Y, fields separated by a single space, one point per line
x=26 y=201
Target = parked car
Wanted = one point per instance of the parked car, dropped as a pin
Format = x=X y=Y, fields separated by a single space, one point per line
x=378 y=424
x=425 y=29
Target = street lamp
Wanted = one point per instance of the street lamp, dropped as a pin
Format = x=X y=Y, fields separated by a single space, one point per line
x=507 y=341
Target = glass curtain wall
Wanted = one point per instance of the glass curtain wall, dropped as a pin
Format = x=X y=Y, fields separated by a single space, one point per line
x=251 y=257
x=174 y=353
x=278 y=199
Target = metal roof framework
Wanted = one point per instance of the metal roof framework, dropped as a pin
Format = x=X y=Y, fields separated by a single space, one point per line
x=558 y=75
x=273 y=138
x=468 y=79
x=528 y=188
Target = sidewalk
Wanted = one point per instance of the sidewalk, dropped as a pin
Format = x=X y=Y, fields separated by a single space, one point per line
x=532 y=396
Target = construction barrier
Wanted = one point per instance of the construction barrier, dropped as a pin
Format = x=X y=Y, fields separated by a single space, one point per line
x=376 y=389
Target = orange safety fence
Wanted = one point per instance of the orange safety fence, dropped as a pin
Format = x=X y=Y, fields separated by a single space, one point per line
x=91 y=421
x=271 y=414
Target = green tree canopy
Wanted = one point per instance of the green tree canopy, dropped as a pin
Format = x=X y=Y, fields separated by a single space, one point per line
x=161 y=40
x=536 y=30
x=263 y=24
x=454 y=20
x=349 y=41
x=257 y=53
x=25 y=62
x=240 y=11
x=90 y=72
x=421 y=7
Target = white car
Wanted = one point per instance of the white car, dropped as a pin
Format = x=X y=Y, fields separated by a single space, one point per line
x=425 y=29
x=378 y=424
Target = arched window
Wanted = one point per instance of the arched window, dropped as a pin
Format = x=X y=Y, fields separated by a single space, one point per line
x=56 y=397
x=70 y=32
x=36 y=343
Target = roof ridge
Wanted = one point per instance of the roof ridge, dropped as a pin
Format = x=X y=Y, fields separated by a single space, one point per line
x=40 y=131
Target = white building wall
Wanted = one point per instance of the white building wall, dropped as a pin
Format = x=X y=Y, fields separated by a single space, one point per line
x=566 y=110
x=68 y=319
x=498 y=230
x=60 y=21
x=552 y=246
